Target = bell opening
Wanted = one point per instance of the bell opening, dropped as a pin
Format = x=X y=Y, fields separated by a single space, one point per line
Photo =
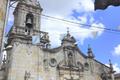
x=29 y=20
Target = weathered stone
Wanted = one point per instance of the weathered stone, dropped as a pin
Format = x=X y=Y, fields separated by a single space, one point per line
x=27 y=61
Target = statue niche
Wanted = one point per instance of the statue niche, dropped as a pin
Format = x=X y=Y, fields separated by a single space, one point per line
x=104 y=76
x=70 y=59
x=29 y=23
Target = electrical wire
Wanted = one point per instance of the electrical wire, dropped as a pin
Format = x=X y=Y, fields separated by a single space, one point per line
x=104 y=28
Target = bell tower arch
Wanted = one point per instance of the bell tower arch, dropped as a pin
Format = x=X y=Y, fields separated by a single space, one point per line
x=27 y=15
x=29 y=23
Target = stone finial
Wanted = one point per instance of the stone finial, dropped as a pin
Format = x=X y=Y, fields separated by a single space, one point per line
x=68 y=32
x=68 y=37
x=90 y=53
x=111 y=66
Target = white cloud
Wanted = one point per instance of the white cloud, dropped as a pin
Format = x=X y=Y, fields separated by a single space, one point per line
x=85 y=5
x=83 y=19
x=63 y=9
x=98 y=27
x=118 y=28
x=116 y=67
x=57 y=27
x=117 y=50
x=91 y=32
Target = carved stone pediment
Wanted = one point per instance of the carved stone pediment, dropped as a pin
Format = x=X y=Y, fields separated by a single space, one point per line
x=69 y=73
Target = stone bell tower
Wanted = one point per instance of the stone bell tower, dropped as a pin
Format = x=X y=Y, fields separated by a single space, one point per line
x=23 y=58
x=27 y=15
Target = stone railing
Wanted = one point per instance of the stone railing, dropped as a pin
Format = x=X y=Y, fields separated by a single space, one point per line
x=20 y=31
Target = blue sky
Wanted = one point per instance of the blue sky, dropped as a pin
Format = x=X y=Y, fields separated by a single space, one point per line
x=105 y=44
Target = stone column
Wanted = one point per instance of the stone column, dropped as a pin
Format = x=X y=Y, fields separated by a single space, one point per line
x=3 y=9
x=3 y=14
x=111 y=70
x=112 y=76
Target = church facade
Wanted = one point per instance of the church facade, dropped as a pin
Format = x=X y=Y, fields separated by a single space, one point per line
x=31 y=58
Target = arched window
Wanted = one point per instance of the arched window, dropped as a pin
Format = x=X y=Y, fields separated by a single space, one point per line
x=29 y=22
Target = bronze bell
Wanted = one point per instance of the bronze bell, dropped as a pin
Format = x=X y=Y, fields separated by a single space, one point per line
x=29 y=22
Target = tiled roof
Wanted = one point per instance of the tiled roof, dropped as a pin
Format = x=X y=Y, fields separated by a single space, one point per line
x=117 y=75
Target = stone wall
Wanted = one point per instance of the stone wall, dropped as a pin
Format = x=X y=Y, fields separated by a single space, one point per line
x=117 y=76
x=3 y=4
x=23 y=60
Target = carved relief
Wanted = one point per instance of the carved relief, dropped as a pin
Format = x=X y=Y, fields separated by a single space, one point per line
x=104 y=76
x=27 y=75
x=69 y=56
x=80 y=66
x=16 y=44
x=45 y=61
x=53 y=62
